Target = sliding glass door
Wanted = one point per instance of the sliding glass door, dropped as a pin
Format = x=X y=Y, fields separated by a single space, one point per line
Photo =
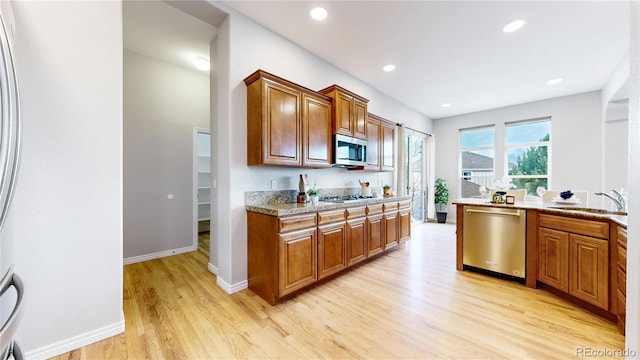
x=416 y=179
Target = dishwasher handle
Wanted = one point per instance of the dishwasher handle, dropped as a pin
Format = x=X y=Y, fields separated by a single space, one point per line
x=517 y=213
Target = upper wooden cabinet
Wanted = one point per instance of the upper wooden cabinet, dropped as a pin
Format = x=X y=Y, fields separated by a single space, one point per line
x=380 y=143
x=349 y=112
x=287 y=124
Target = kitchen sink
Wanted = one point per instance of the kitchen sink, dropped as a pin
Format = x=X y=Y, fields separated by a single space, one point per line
x=590 y=210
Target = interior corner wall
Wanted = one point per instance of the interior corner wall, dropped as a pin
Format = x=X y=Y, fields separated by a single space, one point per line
x=66 y=216
x=576 y=141
x=250 y=47
x=163 y=103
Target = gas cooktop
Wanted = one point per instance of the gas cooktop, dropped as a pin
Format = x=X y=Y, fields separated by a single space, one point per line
x=346 y=198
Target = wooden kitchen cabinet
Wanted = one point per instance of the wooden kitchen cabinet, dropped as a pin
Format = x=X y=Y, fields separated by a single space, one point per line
x=332 y=242
x=621 y=273
x=287 y=124
x=288 y=253
x=589 y=269
x=297 y=260
x=375 y=230
x=374 y=147
x=380 y=143
x=316 y=131
x=574 y=257
x=356 y=235
x=349 y=112
x=388 y=146
x=554 y=258
x=404 y=219
x=390 y=225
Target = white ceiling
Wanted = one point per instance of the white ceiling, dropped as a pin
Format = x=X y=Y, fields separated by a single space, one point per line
x=445 y=51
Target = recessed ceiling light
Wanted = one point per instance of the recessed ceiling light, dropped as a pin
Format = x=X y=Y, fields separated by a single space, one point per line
x=555 y=81
x=318 y=13
x=202 y=64
x=389 y=67
x=445 y=104
x=513 y=26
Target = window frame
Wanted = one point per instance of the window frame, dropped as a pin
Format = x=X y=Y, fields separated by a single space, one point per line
x=462 y=177
x=547 y=144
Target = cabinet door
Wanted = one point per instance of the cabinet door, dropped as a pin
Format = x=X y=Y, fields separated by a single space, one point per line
x=374 y=136
x=553 y=258
x=375 y=234
x=359 y=122
x=297 y=260
x=356 y=241
x=281 y=127
x=390 y=221
x=316 y=132
x=388 y=131
x=343 y=114
x=405 y=224
x=332 y=249
x=589 y=270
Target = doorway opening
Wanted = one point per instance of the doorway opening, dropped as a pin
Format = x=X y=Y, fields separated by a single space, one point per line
x=202 y=189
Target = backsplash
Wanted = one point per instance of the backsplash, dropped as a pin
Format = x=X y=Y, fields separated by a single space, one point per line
x=289 y=196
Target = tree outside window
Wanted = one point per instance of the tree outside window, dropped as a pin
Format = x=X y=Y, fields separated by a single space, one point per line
x=528 y=154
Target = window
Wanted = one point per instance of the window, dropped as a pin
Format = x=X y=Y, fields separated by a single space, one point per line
x=527 y=150
x=476 y=160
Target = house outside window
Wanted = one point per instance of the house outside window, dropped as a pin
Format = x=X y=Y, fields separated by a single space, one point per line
x=528 y=153
x=476 y=159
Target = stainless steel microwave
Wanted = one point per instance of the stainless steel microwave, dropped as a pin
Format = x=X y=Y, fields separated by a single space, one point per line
x=349 y=151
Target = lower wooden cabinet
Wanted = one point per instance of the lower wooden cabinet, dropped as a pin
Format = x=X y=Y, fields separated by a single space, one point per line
x=575 y=263
x=404 y=216
x=356 y=241
x=297 y=260
x=332 y=249
x=286 y=254
x=390 y=221
x=621 y=272
x=375 y=235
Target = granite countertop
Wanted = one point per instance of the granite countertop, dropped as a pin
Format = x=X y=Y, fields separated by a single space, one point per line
x=284 y=209
x=576 y=210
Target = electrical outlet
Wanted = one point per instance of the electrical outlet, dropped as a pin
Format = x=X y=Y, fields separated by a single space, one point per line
x=274 y=184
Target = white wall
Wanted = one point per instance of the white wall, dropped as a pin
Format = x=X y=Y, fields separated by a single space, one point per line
x=244 y=47
x=66 y=218
x=162 y=105
x=576 y=141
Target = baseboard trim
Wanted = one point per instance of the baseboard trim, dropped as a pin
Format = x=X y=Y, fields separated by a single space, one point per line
x=230 y=289
x=158 y=255
x=76 y=342
x=213 y=269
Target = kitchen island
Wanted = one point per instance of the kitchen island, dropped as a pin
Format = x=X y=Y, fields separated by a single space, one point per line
x=577 y=253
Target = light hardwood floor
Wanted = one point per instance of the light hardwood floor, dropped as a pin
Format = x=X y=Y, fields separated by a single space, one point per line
x=411 y=303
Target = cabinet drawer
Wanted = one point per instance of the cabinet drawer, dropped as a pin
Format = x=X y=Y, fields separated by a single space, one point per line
x=577 y=226
x=404 y=204
x=291 y=223
x=622 y=281
x=330 y=216
x=622 y=258
x=390 y=206
x=356 y=212
x=374 y=209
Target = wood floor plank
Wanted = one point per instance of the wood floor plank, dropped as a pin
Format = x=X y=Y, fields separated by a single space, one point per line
x=408 y=304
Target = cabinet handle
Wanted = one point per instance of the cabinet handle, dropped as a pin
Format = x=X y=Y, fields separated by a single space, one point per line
x=517 y=213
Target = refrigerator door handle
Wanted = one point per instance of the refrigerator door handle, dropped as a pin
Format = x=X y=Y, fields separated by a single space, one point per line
x=8 y=329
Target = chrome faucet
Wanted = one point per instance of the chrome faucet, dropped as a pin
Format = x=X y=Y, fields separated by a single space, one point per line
x=617 y=199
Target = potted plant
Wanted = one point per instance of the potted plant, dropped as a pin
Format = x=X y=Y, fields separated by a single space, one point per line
x=313 y=195
x=441 y=199
x=386 y=189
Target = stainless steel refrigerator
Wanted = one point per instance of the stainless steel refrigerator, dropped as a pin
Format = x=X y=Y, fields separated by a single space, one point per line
x=11 y=287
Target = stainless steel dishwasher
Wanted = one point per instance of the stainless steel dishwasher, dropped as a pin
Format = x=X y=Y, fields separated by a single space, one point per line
x=494 y=239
